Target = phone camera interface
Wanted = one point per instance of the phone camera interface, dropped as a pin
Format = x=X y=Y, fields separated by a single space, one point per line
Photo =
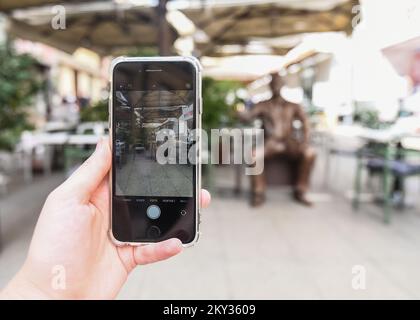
x=153 y=170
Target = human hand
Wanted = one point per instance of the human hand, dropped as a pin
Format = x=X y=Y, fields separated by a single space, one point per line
x=71 y=244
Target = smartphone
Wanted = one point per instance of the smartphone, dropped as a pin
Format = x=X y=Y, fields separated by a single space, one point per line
x=155 y=121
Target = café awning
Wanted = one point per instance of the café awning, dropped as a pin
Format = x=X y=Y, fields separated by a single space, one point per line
x=232 y=67
x=246 y=23
x=104 y=27
x=10 y=5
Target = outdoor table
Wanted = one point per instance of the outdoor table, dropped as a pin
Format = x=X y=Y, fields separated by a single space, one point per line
x=83 y=139
x=31 y=141
x=387 y=144
x=411 y=142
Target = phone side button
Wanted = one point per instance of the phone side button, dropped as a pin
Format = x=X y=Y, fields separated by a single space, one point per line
x=109 y=113
x=200 y=101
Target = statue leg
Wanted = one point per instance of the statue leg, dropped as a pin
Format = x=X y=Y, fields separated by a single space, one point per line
x=258 y=182
x=258 y=187
x=306 y=164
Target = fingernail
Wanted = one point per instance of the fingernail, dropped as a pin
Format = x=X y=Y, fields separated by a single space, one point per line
x=174 y=244
x=98 y=145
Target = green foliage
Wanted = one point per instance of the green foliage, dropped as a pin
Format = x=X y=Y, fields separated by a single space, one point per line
x=369 y=118
x=143 y=52
x=217 y=111
x=96 y=112
x=18 y=84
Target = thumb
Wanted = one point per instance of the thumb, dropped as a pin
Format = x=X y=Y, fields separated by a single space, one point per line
x=87 y=178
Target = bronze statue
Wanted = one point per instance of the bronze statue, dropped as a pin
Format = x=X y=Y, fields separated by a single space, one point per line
x=280 y=118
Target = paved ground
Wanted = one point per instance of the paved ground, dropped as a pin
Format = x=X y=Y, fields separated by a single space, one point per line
x=281 y=250
x=141 y=175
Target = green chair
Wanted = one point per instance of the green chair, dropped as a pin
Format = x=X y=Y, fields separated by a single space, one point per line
x=389 y=160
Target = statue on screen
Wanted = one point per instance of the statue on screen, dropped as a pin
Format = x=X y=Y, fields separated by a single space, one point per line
x=281 y=119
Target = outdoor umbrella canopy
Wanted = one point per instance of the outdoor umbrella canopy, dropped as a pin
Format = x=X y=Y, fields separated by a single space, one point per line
x=232 y=68
x=103 y=27
x=239 y=22
x=9 y=5
x=108 y=27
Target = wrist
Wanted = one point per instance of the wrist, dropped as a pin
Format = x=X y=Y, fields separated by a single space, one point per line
x=20 y=288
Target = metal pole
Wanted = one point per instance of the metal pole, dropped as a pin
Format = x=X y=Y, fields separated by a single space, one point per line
x=164 y=32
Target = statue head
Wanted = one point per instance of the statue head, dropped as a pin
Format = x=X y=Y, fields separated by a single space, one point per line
x=276 y=84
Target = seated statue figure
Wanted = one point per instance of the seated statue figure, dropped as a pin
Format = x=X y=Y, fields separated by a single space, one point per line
x=279 y=119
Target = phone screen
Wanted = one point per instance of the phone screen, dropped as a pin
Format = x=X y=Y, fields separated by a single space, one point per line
x=154 y=178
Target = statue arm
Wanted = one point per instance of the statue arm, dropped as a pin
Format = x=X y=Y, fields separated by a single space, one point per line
x=302 y=116
x=252 y=114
